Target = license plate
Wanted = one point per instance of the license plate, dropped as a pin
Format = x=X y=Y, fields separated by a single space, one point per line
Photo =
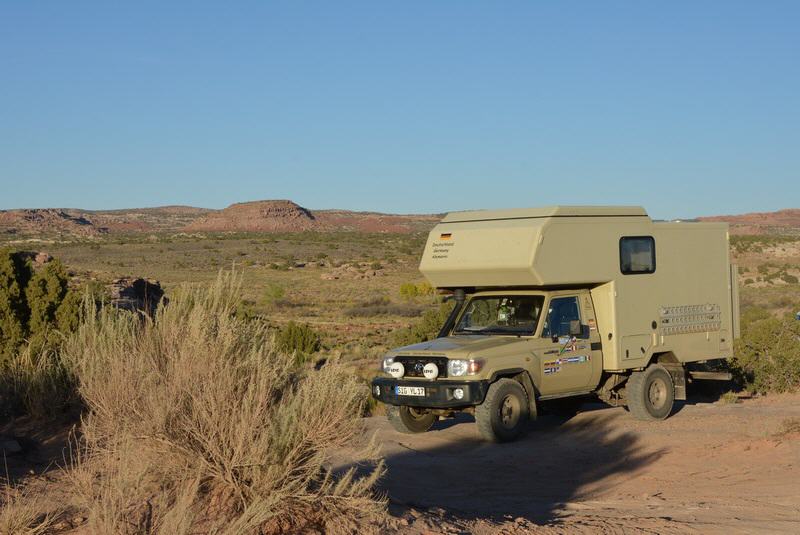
x=409 y=390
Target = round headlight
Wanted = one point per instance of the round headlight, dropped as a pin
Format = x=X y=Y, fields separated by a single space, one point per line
x=458 y=393
x=457 y=367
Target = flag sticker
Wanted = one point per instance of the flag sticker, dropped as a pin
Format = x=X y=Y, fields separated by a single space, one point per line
x=446 y=236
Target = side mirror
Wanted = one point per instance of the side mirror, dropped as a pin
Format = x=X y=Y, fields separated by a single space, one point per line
x=575 y=328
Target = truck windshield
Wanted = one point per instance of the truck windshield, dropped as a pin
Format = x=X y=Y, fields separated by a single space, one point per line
x=501 y=314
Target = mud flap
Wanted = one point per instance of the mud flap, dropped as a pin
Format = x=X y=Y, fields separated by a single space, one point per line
x=678 y=374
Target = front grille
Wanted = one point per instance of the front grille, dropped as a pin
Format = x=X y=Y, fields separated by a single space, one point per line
x=414 y=365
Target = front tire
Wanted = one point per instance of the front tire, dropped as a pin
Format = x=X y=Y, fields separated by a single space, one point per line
x=503 y=415
x=650 y=393
x=410 y=419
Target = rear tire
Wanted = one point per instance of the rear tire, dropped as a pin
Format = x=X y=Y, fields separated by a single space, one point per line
x=503 y=415
x=410 y=419
x=650 y=394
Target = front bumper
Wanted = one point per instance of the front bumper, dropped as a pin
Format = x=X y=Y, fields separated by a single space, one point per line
x=438 y=394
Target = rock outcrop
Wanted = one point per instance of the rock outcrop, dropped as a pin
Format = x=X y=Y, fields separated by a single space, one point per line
x=258 y=216
x=47 y=221
x=136 y=295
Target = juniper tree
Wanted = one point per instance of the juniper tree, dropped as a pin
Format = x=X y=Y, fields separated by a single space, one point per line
x=15 y=272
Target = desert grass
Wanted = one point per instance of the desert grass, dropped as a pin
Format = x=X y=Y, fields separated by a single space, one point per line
x=196 y=423
x=36 y=384
x=24 y=514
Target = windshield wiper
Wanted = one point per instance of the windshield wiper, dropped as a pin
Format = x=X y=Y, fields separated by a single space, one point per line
x=471 y=330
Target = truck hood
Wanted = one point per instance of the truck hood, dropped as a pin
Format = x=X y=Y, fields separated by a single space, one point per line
x=460 y=346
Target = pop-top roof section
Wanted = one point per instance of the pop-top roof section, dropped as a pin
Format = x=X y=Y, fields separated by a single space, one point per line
x=545 y=211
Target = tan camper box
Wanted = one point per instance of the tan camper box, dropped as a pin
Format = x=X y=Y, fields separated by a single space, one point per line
x=560 y=302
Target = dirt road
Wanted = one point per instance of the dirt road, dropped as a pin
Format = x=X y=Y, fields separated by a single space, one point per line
x=710 y=468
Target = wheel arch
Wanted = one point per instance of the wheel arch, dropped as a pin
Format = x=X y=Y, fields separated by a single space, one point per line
x=522 y=376
x=676 y=369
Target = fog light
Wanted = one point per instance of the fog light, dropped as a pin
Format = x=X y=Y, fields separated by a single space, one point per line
x=458 y=393
x=377 y=390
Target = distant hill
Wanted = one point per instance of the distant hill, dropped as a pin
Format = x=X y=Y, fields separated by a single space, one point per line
x=51 y=221
x=781 y=222
x=287 y=216
x=161 y=218
x=256 y=216
x=282 y=216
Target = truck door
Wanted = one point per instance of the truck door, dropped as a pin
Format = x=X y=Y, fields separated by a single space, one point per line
x=571 y=362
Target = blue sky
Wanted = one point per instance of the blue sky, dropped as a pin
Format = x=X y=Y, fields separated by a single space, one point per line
x=687 y=108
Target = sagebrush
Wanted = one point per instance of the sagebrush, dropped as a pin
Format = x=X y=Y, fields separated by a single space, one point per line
x=196 y=422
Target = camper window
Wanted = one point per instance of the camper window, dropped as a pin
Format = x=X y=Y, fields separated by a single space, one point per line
x=637 y=254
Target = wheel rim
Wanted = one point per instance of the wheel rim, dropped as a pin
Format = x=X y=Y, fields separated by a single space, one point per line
x=657 y=393
x=509 y=412
x=416 y=413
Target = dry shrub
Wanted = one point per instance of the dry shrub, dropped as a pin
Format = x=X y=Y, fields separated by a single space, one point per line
x=36 y=383
x=790 y=426
x=25 y=514
x=382 y=306
x=196 y=423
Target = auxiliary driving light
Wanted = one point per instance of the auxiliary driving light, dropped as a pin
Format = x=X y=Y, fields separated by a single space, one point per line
x=430 y=371
x=396 y=370
x=458 y=393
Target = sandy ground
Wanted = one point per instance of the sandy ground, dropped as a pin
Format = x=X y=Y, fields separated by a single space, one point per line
x=710 y=468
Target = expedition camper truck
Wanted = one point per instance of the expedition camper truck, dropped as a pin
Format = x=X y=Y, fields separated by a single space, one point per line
x=562 y=302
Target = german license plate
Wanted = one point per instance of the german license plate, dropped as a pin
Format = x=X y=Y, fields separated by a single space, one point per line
x=409 y=390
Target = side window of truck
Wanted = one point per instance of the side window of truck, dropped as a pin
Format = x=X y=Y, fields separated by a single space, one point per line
x=562 y=311
x=637 y=254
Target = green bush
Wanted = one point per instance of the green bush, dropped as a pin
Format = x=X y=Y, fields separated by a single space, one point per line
x=35 y=306
x=299 y=339
x=425 y=329
x=767 y=356
x=409 y=290
x=789 y=279
x=272 y=293
x=15 y=272
x=46 y=295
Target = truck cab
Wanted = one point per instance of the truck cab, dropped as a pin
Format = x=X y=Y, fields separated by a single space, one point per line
x=531 y=323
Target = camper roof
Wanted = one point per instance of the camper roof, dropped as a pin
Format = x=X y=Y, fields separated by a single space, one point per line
x=545 y=211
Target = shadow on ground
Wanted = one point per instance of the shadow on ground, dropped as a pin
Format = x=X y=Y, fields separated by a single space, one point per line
x=560 y=460
x=32 y=448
